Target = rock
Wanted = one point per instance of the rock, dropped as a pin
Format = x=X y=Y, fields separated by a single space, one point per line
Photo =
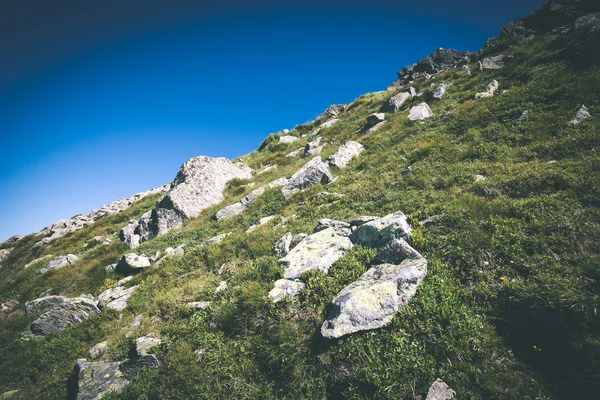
x=407 y=170
x=375 y=118
x=479 y=178
x=341 y=228
x=215 y=240
x=45 y=303
x=313 y=173
x=287 y=139
x=10 y=395
x=295 y=153
x=110 y=267
x=412 y=91
x=298 y=238
x=334 y=110
x=439 y=390
x=582 y=114
x=374 y=299
x=116 y=298
x=230 y=211
x=37 y=260
x=59 y=262
x=491 y=89
x=4 y=255
x=11 y=241
x=145 y=343
x=99 y=349
x=124 y=281
x=263 y=221
x=381 y=231
x=361 y=220
x=285 y=288
x=199 y=305
x=313 y=148
x=439 y=60
x=324 y=125
x=282 y=246
x=431 y=219
x=170 y=252
x=317 y=251
x=440 y=90
x=330 y=196
x=137 y=321
x=342 y=157
x=420 y=112
x=395 y=252
x=130 y=368
x=132 y=263
x=396 y=102
x=8 y=306
x=496 y=62
x=60 y=317
x=96 y=379
x=243 y=204
x=222 y=286
x=524 y=115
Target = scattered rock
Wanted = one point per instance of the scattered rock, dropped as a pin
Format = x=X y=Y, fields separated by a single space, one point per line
x=317 y=251
x=230 y=211
x=379 y=232
x=524 y=115
x=45 y=303
x=334 y=110
x=116 y=298
x=215 y=240
x=145 y=343
x=132 y=263
x=47 y=256
x=374 y=299
x=110 y=267
x=342 y=157
x=326 y=124
x=298 y=238
x=439 y=390
x=313 y=173
x=431 y=219
x=131 y=368
x=479 y=178
x=263 y=221
x=582 y=114
x=11 y=241
x=407 y=170
x=295 y=153
x=95 y=379
x=328 y=195
x=413 y=91
x=491 y=89
x=396 y=102
x=222 y=286
x=59 y=262
x=282 y=246
x=10 y=395
x=420 y=112
x=361 y=220
x=440 y=90
x=125 y=280
x=395 y=252
x=496 y=62
x=199 y=305
x=99 y=349
x=313 y=148
x=285 y=288
x=60 y=317
x=341 y=228
x=438 y=61
x=287 y=139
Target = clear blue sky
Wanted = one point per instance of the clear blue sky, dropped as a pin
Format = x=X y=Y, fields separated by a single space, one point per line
x=100 y=101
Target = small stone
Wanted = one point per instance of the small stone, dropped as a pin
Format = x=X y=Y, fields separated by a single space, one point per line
x=124 y=281
x=342 y=157
x=496 y=62
x=440 y=90
x=285 y=288
x=132 y=263
x=524 y=115
x=313 y=173
x=341 y=228
x=439 y=390
x=491 y=89
x=59 y=262
x=198 y=305
x=222 y=286
x=581 y=115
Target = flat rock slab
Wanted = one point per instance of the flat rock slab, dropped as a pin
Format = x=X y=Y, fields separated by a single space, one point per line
x=285 y=288
x=380 y=231
x=59 y=318
x=342 y=157
x=374 y=299
x=318 y=251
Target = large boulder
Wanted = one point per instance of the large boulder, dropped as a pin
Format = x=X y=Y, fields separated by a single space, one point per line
x=60 y=317
x=342 y=157
x=132 y=263
x=395 y=252
x=396 y=102
x=379 y=232
x=95 y=379
x=374 y=299
x=313 y=148
x=45 y=303
x=439 y=390
x=59 y=262
x=282 y=246
x=315 y=172
x=420 y=112
x=315 y=252
x=287 y=139
x=285 y=288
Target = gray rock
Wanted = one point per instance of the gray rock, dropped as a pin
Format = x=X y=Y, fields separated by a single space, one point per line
x=395 y=252
x=116 y=298
x=438 y=61
x=199 y=305
x=287 y=139
x=433 y=218
x=282 y=246
x=420 y=112
x=125 y=280
x=340 y=228
x=524 y=115
x=243 y=204
x=99 y=349
x=375 y=118
x=4 y=255
x=439 y=390
x=496 y=62
x=396 y=102
x=318 y=251
x=334 y=110
x=60 y=317
x=298 y=238
x=132 y=263
x=313 y=173
x=490 y=90
x=11 y=241
x=440 y=90
x=313 y=148
x=110 y=267
x=412 y=91
x=215 y=240
x=324 y=125
x=295 y=153
x=145 y=343
x=96 y=379
x=130 y=368
x=285 y=288
x=381 y=231
x=45 y=303
x=261 y=222
x=375 y=127
x=374 y=299
x=581 y=114
x=59 y=262
x=222 y=286
x=342 y=157
x=361 y=220
x=37 y=260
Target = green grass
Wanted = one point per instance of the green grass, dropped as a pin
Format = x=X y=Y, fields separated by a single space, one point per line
x=508 y=309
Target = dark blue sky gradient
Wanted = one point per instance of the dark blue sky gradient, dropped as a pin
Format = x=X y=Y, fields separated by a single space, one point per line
x=98 y=102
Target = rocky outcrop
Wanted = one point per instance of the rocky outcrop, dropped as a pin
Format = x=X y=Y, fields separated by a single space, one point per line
x=11 y=241
x=215 y=240
x=420 y=112
x=313 y=148
x=581 y=115
x=438 y=61
x=381 y=231
x=315 y=172
x=316 y=252
x=285 y=288
x=287 y=139
x=496 y=62
x=222 y=286
x=324 y=125
x=70 y=311
x=333 y=110
x=439 y=390
x=395 y=252
x=45 y=303
x=282 y=246
x=342 y=157
x=132 y=263
x=396 y=102
x=199 y=184
x=116 y=298
x=490 y=90
x=261 y=222
x=59 y=262
x=440 y=90
x=145 y=343
x=99 y=349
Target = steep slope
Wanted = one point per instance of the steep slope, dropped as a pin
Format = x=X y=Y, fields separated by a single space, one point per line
x=498 y=176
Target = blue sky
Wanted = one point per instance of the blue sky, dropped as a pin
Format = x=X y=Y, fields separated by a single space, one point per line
x=99 y=103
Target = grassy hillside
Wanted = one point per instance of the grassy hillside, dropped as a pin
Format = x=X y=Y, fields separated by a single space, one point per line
x=508 y=309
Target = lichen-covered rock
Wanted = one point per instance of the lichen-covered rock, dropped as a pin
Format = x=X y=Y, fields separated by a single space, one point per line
x=45 y=303
x=440 y=90
x=395 y=252
x=342 y=157
x=11 y=241
x=420 y=112
x=581 y=114
x=490 y=90
x=116 y=298
x=317 y=251
x=496 y=62
x=59 y=262
x=285 y=288
x=282 y=246
x=60 y=317
x=313 y=173
x=356 y=222
x=374 y=299
x=130 y=368
x=145 y=343
x=95 y=379
x=132 y=263
x=379 y=232
x=295 y=153
x=439 y=390
x=341 y=228
x=396 y=102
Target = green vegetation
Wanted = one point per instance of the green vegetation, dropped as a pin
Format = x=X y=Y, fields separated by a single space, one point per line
x=508 y=309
